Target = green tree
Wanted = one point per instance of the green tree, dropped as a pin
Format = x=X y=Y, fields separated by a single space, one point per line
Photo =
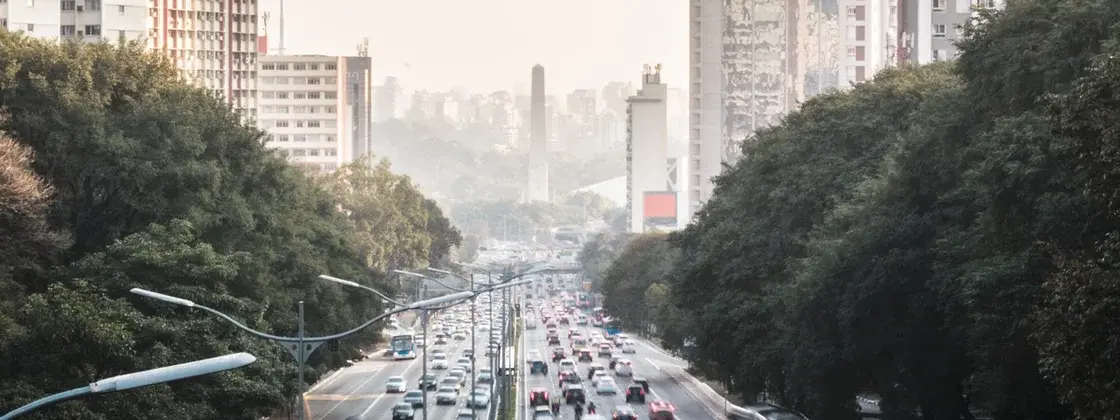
x=444 y=235
x=646 y=260
x=597 y=255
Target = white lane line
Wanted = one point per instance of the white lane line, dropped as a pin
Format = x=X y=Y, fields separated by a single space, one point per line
x=359 y=388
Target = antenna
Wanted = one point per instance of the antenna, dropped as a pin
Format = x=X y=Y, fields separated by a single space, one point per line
x=281 y=45
x=363 y=48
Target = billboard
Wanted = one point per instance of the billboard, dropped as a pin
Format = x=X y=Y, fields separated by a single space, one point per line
x=359 y=110
x=659 y=208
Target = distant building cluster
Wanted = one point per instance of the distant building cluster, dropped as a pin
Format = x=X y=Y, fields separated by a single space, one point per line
x=583 y=122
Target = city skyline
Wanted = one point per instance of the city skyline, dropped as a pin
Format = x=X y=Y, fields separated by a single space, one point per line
x=582 y=43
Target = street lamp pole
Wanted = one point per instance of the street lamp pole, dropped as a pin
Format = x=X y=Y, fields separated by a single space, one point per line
x=474 y=355
x=141 y=379
x=301 y=347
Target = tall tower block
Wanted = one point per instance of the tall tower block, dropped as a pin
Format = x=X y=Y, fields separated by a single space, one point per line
x=538 y=141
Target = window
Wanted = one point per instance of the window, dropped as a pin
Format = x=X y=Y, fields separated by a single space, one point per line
x=281 y=95
x=301 y=138
x=299 y=123
x=281 y=123
x=330 y=152
x=331 y=66
x=93 y=5
x=121 y=35
x=939 y=5
x=941 y=55
x=299 y=95
x=959 y=31
x=67 y=30
x=313 y=95
x=331 y=81
x=93 y=29
x=313 y=152
x=299 y=66
x=268 y=80
x=938 y=31
x=331 y=109
x=313 y=66
x=851 y=12
x=30 y=27
x=282 y=80
x=851 y=30
x=282 y=66
x=299 y=80
x=283 y=137
x=268 y=66
x=851 y=72
x=299 y=152
x=984 y=4
x=330 y=95
x=314 y=80
x=268 y=95
x=3 y=21
x=66 y=4
x=851 y=52
x=313 y=124
x=329 y=139
x=120 y=10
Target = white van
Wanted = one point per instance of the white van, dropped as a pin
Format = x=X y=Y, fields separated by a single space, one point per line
x=629 y=347
x=624 y=368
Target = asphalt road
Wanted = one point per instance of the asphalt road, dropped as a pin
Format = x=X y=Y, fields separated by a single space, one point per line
x=648 y=362
x=360 y=389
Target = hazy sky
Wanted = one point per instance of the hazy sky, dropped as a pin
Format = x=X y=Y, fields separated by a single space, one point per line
x=487 y=45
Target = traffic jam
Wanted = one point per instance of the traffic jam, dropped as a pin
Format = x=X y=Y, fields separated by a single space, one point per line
x=580 y=369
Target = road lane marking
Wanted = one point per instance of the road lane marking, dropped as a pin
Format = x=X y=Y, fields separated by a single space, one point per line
x=339 y=397
x=324 y=382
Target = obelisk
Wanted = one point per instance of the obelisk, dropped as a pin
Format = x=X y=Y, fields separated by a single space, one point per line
x=538 y=140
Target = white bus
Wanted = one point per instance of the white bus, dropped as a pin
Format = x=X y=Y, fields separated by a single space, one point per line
x=403 y=346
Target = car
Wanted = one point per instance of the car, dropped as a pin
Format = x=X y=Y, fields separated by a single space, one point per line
x=458 y=373
x=439 y=362
x=641 y=381
x=451 y=382
x=565 y=321
x=559 y=354
x=567 y=365
x=416 y=398
x=538 y=397
x=635 y=392
x=465 y=367
x=606 y=388
x=662 y=410
x=764 y=411
x=598 y=376
x=629 y=348
x=570 y=378
x=468 y=353
x=465 y=415
x=428 y=382
x=403 y=411
x=551 y=323
x=396 y=384
x=484 y=378
x=582 y=321
x=624 y=412
x=575 y=394
x=543 y=413
x=440 y=340
x=584 y=356
x=538 y=366
x=446 y=395
x=479 y=398
x=624 y=368
x=554 y=340
x=605 y=350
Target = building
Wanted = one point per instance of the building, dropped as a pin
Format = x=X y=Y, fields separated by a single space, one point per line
x=214 y=42
x=751 y=61
x=538 y=189
x=385 y=100
x=317 y=109
x=647 y=149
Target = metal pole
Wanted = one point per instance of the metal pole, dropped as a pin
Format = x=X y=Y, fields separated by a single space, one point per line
x=474 y=354
x=302 y=361
x=508 y=332
x=424 y=363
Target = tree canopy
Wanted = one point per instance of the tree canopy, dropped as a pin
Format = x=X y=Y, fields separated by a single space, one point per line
x=943 y=237
x=116 y=174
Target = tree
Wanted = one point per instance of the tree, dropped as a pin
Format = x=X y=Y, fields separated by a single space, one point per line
x=646 y=261
x=444 y=235
x=158 y=184
x=597 y=255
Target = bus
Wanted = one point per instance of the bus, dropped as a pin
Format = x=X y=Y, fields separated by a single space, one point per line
x=403 y=346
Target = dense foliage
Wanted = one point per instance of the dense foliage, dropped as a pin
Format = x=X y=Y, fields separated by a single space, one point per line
x=944 y=237
x=119 y=175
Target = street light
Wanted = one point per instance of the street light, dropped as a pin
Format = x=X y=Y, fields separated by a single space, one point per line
x=300 y=346
x=141 y=379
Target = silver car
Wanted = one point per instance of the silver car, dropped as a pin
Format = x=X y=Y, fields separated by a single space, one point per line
x=478 y=399
x=446 y=395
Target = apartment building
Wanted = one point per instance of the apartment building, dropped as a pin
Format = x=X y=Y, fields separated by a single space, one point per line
x=648 y=186
x=317 y=109
x=214 y=42
x=752 y=61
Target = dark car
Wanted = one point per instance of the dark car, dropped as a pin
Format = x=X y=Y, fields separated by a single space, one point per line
x=641 y=381
x=538 y=366
x=635 y=392
x=623 y=412
x=575 y=394
x=585 y=356
x=554 y=341
x=429 y=381
x=559 y=354
x=570 y=377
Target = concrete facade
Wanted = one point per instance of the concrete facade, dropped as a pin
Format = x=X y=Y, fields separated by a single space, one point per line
x=647 y=146
x=538 y=189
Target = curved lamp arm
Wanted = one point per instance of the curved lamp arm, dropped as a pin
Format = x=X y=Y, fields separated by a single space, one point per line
x=360 y=286
x=450 y=273
x=142 y=379
x=411 y=306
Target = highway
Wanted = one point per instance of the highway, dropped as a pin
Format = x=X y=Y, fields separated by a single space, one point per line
x=648 y=362
x=360 y=389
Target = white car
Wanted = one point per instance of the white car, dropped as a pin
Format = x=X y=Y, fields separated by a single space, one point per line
x=600 y=376
x=446 y=395
x=567 y=365
x=479 y=399
x=396 y=384
x=629 y=348
x=606 y=387
x=439 y=362
x=624 y=368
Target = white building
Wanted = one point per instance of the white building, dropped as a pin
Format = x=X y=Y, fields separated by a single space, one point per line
x=317 y=109
x=647 y=152
x=751 y=61
x=214 y=42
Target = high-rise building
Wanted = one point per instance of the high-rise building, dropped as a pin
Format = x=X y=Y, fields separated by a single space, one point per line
x=385 y=100
x=538 y=140
x=752 y=61
x=648 y=186
x=317 y=109
x=214 y=42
